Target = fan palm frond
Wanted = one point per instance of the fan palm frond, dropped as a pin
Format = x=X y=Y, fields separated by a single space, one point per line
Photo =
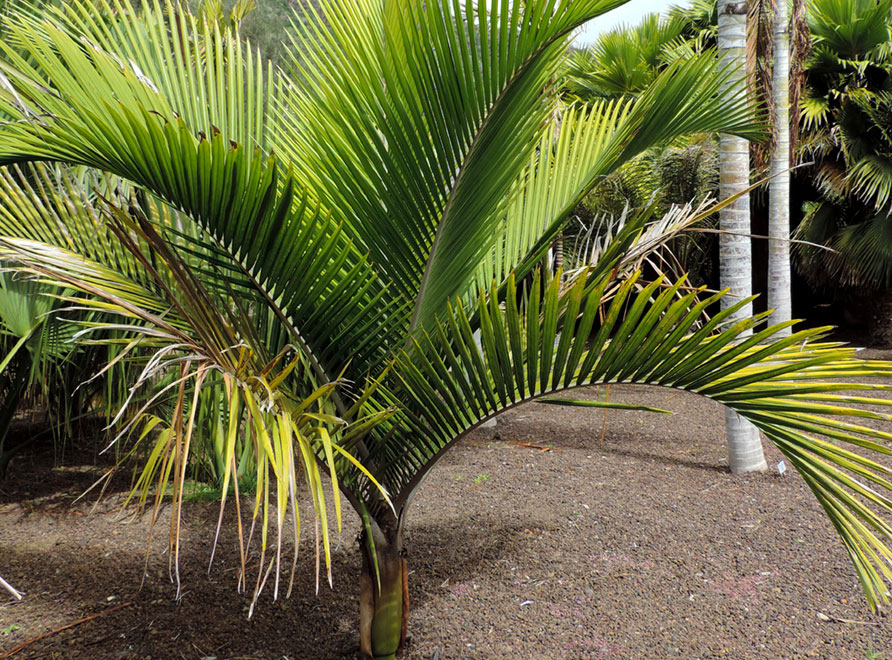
x=624 y=61
x=851 y=28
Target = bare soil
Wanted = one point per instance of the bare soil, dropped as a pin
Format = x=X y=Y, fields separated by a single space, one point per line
x=640 y=545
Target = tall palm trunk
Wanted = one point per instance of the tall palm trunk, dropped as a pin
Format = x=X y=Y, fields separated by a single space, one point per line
x=735 y=249
x=779 y=298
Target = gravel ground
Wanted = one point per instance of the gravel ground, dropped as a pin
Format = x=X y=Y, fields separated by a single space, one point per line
x=639 y=545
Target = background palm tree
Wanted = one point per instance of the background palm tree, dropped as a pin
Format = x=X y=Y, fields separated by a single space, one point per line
x=329 y=250
x=624 y=61
x=735 y=249
x=779 y=283
x=768 y=63
x=619 y=63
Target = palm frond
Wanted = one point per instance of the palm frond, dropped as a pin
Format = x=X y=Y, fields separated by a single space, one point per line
x=450 y=383
x=626 y=60
x=851 y=28
x=429 y=184
x=196 y=334
x=113 y=118
x=591 y=142
x=871 y=179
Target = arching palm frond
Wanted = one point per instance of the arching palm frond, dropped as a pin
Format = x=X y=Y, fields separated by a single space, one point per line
x=590 y=143
x=538 y=344
x=243 y=198
x=442 y=140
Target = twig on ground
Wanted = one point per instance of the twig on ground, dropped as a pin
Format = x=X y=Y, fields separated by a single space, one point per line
x=530 y=445
x=25 y=645
x=10 y=589
x=830 y=617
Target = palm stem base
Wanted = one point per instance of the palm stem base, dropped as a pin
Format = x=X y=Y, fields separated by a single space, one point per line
x=383 y=599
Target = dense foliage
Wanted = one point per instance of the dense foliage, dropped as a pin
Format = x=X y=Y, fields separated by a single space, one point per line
x=846 y=132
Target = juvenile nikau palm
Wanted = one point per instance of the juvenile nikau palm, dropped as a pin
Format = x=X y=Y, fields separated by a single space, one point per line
x=331 y=242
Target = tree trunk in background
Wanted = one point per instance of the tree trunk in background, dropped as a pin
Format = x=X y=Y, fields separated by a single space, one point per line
x=779 y=297
x=735 y=251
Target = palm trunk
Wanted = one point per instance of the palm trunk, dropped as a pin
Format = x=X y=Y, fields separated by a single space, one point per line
x=735 y=249
x=383 y=594
x=779 y=298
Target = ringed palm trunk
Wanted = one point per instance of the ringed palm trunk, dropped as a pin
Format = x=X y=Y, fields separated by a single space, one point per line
x=735 y=250
x=779 y=297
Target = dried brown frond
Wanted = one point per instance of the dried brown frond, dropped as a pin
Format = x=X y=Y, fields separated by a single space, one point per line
x=759 y=56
